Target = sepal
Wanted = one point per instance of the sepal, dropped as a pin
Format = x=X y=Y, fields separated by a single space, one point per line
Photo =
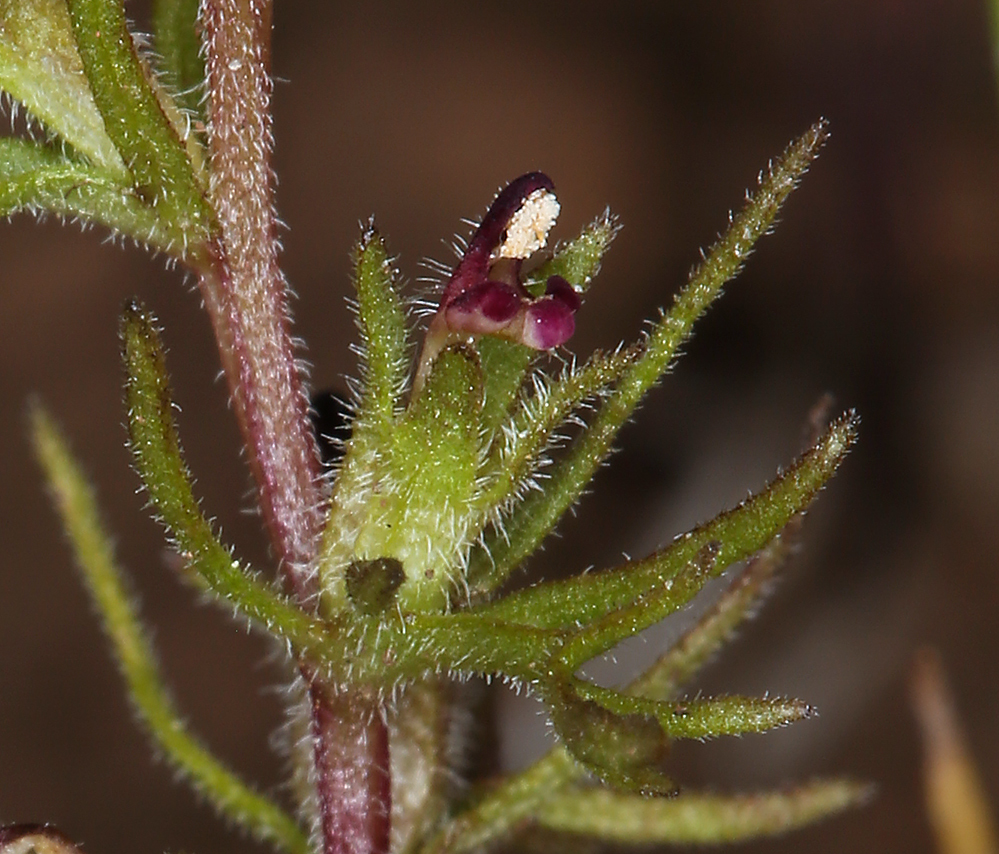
x=381 y=321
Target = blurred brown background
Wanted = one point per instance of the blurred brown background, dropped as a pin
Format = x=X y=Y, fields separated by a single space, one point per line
x=880 y=286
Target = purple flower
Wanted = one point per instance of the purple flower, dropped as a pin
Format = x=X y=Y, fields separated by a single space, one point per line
x=485 y=295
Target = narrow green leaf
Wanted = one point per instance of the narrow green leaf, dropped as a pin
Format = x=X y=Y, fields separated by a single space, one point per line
x=77 y=506
x=35 y=178
x=382 y=324
x=536 y=516
x=159 y=461
x=517 y=451
x=701 y=718
x=647 y=609
x=717 y=625
x=136 y=120
x=41 y=67
x=375 y=651
x=175 y=29
x=610 y=595
x=395 y=649
x=578 y=261
x=694 y=818
x=739 y=532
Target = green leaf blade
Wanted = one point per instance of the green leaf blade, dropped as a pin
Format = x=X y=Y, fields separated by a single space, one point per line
x=739 y=533
x=34 y=178
x=696 y=818
x=40 y=66
x=699 y=718
x=136 y=121
x=159 y=461
x=717 y=625
x=175 y=29
x=518 y=450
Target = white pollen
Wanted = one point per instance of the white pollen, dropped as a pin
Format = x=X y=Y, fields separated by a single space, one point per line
x=529 y=227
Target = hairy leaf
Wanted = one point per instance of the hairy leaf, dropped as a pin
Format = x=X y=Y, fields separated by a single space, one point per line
x=695 y=818
x=41 y=67
x=382 y=324
x=175 y=28
x=135 y=118
x=36 y=178
x=738 y=532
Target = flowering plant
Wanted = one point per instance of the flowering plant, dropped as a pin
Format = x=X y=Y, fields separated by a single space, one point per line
x=396 y=559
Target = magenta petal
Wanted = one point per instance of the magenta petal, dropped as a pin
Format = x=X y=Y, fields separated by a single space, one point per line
x=548 y=323
x=485 y=308
x=565 y=293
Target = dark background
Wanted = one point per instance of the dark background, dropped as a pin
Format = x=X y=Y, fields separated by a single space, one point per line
x=879 y=286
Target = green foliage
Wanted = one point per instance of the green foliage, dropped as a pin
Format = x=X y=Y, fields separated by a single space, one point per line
x=455 y=472
x=526 y=528
x=136 y=117
x=695 y=819
x=77 y=506
x=182 y=69
x=40 y=66
x=36 y=177
x=119 y=151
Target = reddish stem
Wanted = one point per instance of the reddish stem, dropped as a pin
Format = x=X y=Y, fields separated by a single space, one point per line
x=353 y=782
x=246 y=296
x=245 y=291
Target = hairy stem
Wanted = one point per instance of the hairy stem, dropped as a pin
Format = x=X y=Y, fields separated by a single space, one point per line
x=351 y=766
x=244 y=288
x=246 y=295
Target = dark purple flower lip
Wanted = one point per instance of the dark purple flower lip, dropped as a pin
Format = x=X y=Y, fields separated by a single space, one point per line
x=486 y=295
x=515 y=226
